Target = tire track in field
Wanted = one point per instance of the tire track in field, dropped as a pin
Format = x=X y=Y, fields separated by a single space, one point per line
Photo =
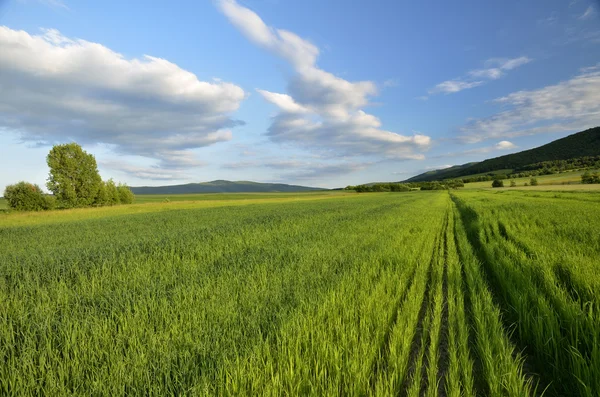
x=421 y=343
x=381 y=363
x=443 y=348
x=470 y=222
x=568 y=309
x=562 y=276
x=479 y=384
x=417 y=340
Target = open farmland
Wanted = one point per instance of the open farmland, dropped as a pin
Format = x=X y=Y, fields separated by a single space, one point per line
x=420 y=293
x=569 y=180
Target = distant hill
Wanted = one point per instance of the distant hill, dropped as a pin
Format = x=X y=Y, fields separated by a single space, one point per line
x=221 y=186
x=440 y=174
x=584 y=143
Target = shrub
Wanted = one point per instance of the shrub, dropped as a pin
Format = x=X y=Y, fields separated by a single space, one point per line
x=112 y=193
x=533 y=182
x=590 y=178
x=513 y=184
x=25 y=196
x=498 y=183
x=125 y=194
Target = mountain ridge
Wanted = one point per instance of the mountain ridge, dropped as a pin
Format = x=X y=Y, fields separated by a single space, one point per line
x=579 y=144
x=222 y=186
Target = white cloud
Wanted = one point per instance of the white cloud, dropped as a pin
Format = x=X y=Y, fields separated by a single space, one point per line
x=504 y=145
x=570 y=105
x=285 y=102
x=143 y=172
x=438 y=167
x=57 y=89
x=495 y=68
x=452 y=86
x=320 y=111
x=589 y=12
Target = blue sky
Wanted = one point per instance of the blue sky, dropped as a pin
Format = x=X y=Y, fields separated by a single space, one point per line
x=312 y=92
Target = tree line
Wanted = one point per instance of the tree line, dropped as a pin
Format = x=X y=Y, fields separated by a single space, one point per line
x=406 y=187
x=74 y=181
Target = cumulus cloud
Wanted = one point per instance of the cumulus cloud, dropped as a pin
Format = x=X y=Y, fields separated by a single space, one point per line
x=320 y=111
x=494 y=69
x=568 y=106
x=56 y=89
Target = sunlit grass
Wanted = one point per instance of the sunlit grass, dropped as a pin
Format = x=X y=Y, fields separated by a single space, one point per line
x=329 y=293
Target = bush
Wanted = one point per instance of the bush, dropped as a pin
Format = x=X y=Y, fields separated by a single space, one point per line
x=25 y=196
x=513 y=184
x=112 y=193
x=498 y=183
x=590 y=178
x=533 y=182
x=125 y=194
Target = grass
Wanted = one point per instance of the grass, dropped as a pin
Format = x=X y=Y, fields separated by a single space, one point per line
x=165 y=198
x=473 y=292
x=140 y=207
x=570 y=180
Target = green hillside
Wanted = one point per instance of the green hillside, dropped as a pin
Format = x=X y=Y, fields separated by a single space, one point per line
x=221 y=186
x=584 y=143
x=440 y=174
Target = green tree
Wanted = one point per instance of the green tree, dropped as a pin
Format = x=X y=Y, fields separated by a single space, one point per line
x=498 y=183
x=590 y=178
x=25 y=196
x=112 y=193
x=74 y=177
x=102 y=195
x=125 y=194
x=533 y=182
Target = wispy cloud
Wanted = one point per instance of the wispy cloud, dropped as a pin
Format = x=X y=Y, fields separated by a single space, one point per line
x=494 y=69
x=588 y=13
x=390 y=83
x=302 y=169
x=55 y=88
x=452 y=86
x=502 y=145
x=567 y=106
x=320 y=111
x=144 y=172
x=49 y=3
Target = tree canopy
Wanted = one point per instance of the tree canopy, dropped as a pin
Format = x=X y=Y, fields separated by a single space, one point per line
x=74 y=179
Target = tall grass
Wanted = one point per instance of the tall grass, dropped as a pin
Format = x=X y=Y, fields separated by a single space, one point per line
x=419 y=293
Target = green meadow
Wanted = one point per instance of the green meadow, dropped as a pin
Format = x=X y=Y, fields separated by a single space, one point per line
x=437 y=293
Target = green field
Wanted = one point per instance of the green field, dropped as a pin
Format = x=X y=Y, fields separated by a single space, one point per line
x=465 y=293
x=566 y=180
x=165 y=198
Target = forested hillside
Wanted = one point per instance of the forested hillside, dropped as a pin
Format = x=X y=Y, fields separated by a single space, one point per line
x=581 y=144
